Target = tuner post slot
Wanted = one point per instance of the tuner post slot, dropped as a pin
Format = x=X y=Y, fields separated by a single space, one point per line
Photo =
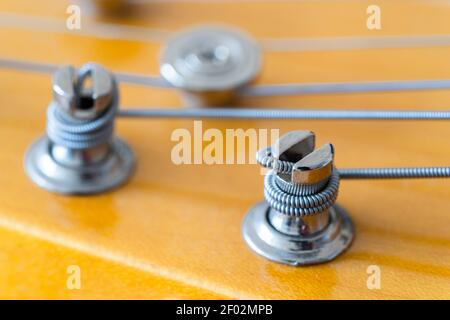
x=80 y=153
x=299 y=222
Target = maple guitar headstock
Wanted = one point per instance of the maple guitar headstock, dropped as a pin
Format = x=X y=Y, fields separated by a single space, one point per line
x=173 y=230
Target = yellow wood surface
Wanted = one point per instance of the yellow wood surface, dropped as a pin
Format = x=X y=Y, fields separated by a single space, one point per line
x=174 y=231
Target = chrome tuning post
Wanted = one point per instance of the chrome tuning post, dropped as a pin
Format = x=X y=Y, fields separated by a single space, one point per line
x=209 y=64
x=299 y=223
x=80 y=154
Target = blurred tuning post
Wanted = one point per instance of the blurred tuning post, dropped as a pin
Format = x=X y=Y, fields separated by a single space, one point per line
x=209 y=64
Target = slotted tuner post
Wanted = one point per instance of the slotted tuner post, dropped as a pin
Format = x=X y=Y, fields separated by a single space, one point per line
x=79 y=153
x=299 y=223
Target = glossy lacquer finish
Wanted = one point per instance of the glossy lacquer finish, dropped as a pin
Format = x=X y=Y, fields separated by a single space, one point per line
x=175 y=231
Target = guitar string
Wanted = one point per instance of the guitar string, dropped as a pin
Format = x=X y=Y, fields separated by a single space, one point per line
x=48 y=68
x=265 y=158
x=288 y=89
x=243 y=113
x=395 y=173
x=281 y=114
x=111 y=31
x=354 y=43
x=257 y=90
x=76 y=135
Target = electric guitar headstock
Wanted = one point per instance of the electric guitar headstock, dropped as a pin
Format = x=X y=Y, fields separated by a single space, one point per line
x=129 y=131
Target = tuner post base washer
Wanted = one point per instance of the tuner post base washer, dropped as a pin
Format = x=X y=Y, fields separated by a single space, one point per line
x=209 y=64
x=317 y=248
x=111 y=172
